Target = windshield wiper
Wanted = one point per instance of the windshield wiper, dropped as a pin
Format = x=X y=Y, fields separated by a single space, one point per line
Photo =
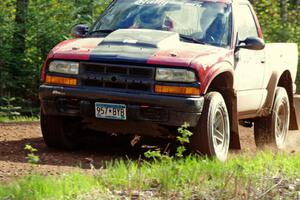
x=105 y=31
x=191 y=39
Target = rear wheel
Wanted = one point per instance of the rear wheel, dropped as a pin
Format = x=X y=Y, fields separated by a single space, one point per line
x=273 y=129
x=60 y=132
x=212 y=135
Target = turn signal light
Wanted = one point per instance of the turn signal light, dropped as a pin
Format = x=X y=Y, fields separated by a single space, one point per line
x=177 y=90
x=61 y=80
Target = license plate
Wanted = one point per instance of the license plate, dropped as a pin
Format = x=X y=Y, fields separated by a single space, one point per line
x=111 y=111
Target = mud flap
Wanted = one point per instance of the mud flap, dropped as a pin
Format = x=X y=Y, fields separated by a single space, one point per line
x=295 y=113
x=231 y=101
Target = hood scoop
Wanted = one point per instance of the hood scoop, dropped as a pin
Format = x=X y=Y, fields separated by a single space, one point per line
x=142 y=38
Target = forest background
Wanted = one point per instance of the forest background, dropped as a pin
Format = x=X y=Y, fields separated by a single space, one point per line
x=29 y=29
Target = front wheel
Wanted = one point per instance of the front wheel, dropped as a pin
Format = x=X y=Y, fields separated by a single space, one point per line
x=212 y=135
x=60 y=132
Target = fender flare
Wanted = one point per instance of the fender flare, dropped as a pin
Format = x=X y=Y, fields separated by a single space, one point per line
x=271 y=88
x=213 y=74
x=230 y=96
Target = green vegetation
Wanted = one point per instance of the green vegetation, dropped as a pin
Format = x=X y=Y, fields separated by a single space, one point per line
x=279 y=20
x=32 y=158
x=183 y=138
x=39 y=187
x=19 y=119
x=29 y=29
x=264 y=175
x=166 y=176
x=11 y=113
x=8 y=110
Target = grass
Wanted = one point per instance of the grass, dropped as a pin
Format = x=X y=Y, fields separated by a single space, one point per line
x=19 y=119
x=39 y=187
x=264 y=175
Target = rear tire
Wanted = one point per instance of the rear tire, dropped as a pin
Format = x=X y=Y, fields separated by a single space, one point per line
x=60 y=132
x=212 y=135
x=271 y=131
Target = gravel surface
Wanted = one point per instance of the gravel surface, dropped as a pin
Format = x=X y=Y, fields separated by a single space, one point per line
x=97 y=149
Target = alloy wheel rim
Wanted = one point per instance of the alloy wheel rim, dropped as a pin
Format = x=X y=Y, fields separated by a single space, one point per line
x=220 y=134
x=281 y=125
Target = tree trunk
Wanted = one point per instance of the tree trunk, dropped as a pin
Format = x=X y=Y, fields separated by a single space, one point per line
x=17 y=59
x=283 y=11
x=20 y=27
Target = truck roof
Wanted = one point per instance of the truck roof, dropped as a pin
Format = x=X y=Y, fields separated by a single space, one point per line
x=224 y=1
x=228 y=1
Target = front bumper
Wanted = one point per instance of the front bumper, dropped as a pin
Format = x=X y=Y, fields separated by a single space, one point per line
x=141 y=108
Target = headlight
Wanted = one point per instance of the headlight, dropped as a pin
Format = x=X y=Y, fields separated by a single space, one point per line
x=175 y=75
x=64 y=67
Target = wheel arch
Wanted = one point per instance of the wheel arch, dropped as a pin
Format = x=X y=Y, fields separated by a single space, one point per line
x=281 y=79
x=223 y=83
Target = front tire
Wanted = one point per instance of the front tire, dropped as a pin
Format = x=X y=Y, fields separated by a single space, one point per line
x=60 y=132
x=212 y=135
x=272 y=130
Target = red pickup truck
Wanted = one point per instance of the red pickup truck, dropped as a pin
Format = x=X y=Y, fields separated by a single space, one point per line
x=147 y=67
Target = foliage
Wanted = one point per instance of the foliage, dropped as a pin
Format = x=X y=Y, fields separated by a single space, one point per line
x=18 y=119
x=39 y=187
x=32 y=158
x=183 y=138
x=280 y=23
x=48 y=22
x=261 y=176
x=275 y=28
x=8 y=110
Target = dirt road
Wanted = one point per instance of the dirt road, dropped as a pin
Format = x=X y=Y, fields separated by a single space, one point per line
x=96 y=150
x=13 y=138
x=13 y=163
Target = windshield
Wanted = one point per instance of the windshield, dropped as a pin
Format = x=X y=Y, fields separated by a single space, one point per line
x=203 y=21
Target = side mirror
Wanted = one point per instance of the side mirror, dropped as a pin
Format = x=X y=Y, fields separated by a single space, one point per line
x=252 y=43
x=79 y=30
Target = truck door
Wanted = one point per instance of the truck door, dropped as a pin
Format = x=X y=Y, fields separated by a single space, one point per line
x=250 y=64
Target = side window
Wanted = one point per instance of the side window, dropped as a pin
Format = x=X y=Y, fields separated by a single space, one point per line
x=245 y=22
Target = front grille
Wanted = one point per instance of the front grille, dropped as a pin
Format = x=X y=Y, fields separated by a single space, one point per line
x=122 y=77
